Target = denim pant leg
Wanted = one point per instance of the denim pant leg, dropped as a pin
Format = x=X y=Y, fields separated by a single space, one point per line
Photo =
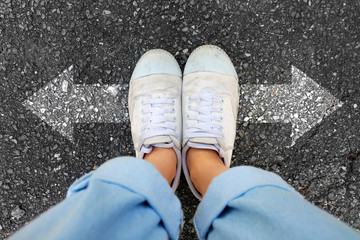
x=125 y=198
x=249 y=203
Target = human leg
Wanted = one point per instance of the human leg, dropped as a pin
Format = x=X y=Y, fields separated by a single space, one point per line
x=155 y=107
x=164 y=160
x=243 y=202
x=210 y=103
x=109 y=203
x=249 y=203
x=204 y=165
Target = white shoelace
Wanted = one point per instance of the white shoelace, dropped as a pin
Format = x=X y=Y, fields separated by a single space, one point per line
x=207 y=123
x=156 y=123
x=148 y=149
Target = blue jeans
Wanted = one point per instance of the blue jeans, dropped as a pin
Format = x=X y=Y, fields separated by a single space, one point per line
x=127 y=198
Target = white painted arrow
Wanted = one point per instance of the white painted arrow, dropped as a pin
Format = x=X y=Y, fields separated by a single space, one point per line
x=303 y=103
x=61 y=104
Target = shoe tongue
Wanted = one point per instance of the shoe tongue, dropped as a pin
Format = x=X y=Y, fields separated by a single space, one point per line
x=157 y=139
x=211 y=141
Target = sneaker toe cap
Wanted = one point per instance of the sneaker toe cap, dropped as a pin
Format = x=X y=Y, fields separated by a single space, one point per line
x=209 y=58
x=156 y=61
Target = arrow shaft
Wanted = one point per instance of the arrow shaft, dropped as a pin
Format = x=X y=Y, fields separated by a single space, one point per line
x=265 y=103
x=95 y=103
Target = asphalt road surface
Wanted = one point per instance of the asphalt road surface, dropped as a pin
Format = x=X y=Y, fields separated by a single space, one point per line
x=298 y=64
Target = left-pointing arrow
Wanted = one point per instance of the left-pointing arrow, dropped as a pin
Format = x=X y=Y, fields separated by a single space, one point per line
x=61 y=104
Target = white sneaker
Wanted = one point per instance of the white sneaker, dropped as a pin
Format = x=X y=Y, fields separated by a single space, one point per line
x=155 y=105
x=210 y=104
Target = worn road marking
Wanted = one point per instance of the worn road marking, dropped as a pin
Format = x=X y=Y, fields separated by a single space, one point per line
x=61 y=104
x=303 y=103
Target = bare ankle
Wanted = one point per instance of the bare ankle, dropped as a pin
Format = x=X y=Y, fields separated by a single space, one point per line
x=164 y=160
x=204 y=165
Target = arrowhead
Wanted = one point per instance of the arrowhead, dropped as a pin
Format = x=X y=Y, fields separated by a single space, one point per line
x=313 y=103
x=52 y=103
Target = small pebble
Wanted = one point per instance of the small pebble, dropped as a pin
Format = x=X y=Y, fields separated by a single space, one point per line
x=22 y=137
x=17 y=212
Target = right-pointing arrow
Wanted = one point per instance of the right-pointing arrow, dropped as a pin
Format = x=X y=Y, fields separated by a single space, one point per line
x=303 y=103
